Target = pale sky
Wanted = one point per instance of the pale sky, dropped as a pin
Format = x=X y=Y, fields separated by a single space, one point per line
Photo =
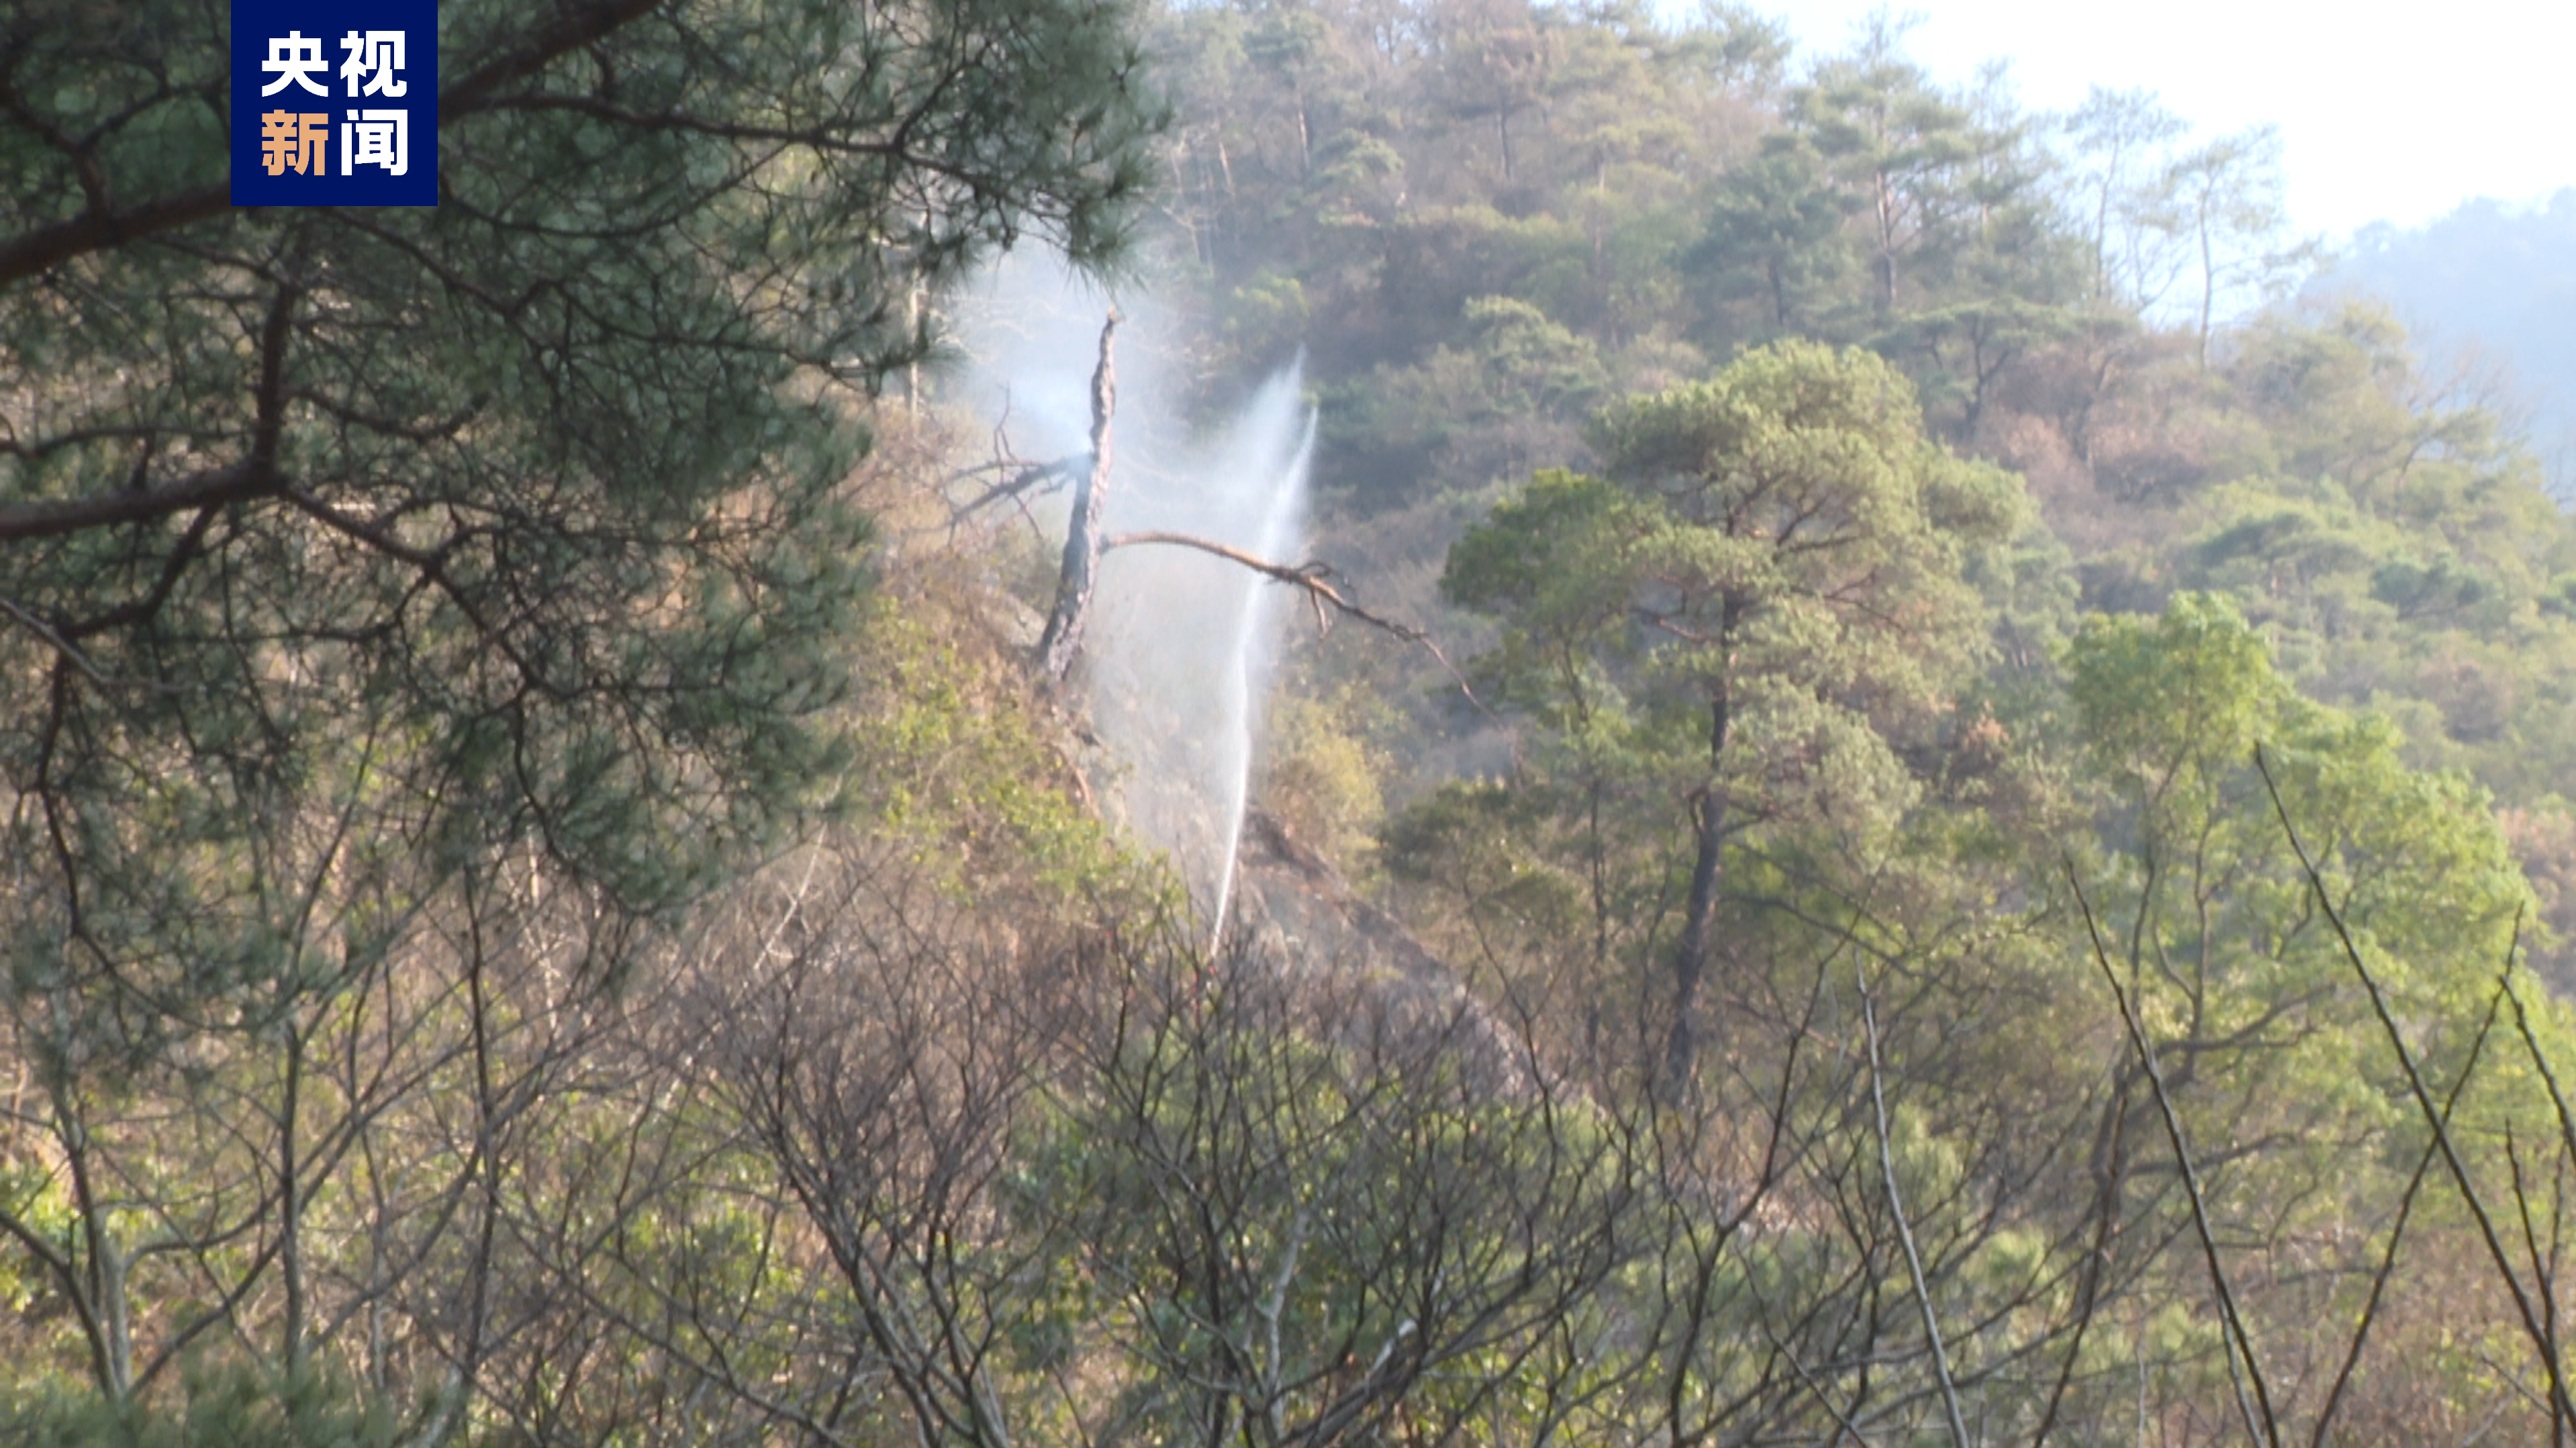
x=2387 y=113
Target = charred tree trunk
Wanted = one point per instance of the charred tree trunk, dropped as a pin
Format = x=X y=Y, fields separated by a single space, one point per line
x=1082 y=540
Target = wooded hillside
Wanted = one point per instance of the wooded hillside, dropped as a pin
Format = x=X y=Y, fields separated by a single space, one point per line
x=1931 y=813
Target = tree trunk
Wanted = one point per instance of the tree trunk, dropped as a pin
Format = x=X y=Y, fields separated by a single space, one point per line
x=1080 y=573
x=1690 y=959
x=2208 y=282
x=290 y=1201
x=1885 y=261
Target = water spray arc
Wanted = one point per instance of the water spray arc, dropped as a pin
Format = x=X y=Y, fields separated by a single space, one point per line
x=1253 y=657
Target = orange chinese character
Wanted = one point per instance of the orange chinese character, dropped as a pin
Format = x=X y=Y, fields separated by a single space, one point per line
x=287 y=138
x=277 y=141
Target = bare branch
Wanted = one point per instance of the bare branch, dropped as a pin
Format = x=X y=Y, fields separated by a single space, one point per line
x=1020 y=479
x=2269 y=1430
x=1316 y=579
x=46 y=635
x=1905 y=1229
x=2406 y=1206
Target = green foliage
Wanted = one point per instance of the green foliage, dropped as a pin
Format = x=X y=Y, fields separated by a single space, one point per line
x=516 y=522
x=2172 y=702
x=527 y=502
x=2214 y=923
x=1783 y=542
x=1731 y=652
x=374 y=582
x=218 y=1407
x=1513 y=390
x=2400 y=557
x=2173 y=711
x=1325 y=780
x=950 y=761
x=513 y=897
x=1775 y=239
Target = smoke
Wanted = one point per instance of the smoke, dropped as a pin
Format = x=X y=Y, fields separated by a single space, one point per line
x=1182 y=647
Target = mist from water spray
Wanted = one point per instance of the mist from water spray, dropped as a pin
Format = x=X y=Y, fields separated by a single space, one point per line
x=1182 y=648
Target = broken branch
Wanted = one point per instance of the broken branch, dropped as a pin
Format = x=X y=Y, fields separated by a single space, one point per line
x=1315 y=578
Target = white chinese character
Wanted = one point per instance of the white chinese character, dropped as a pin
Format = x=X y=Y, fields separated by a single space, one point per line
x=373 y=55
x=376 y=138
x=297 y=58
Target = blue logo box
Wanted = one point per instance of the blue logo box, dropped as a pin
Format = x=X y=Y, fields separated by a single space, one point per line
x=335 y=104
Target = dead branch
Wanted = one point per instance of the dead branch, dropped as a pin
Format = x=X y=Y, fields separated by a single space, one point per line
x=1083 y=544
x=1315 y=578
x=1020 y=480
x=1015 y=478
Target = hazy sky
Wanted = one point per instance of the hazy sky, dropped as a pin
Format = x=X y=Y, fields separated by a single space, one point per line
x=2388 y=113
